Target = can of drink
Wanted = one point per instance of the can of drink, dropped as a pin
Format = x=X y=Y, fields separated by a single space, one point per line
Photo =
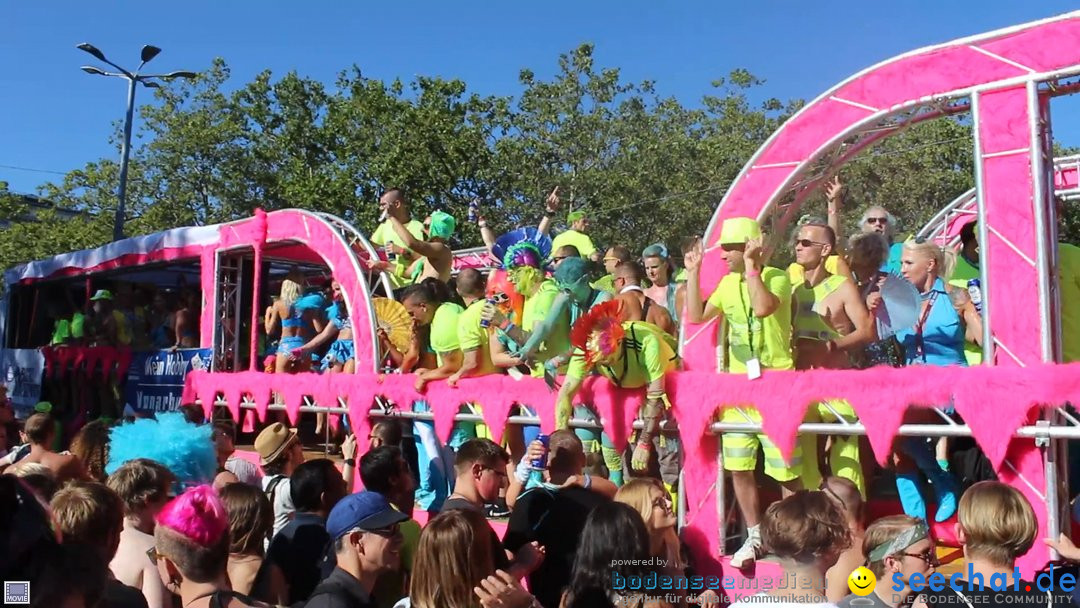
x=539 y=464
x=388 y=249
x=485 y=323
x=473 y=211
x=974 y=287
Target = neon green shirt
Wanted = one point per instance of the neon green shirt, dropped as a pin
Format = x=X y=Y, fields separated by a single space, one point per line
x=578 y=239
x=536 y=310
x=809 y=323
x=385 y=233
x=797 y=274
x=604 y=283
x=444 y=330
x=768 y=339
x=1069 y=277
x=78 y=325
x=648 y=353
x=470 y=335
x=963 y=273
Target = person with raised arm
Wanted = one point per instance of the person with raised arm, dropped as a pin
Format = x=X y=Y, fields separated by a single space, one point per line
x=830 y=320
x=575 y=235
x=754 y=300
x=437 y=259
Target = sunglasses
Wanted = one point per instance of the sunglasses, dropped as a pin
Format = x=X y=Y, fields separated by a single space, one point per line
x=499 y=298
x=807 y=243
x=877 y=220
x=927 y=556
x=153 y=554
x=390 y=532
x=559 y=258
x=660 y=503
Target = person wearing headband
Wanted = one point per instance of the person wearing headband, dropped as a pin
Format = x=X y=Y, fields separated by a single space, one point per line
x=896 y=547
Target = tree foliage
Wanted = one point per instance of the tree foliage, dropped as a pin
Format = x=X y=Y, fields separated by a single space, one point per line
x=646 y=167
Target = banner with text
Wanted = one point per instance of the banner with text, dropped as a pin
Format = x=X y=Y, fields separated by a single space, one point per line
x=156 y=378
x=22 y=370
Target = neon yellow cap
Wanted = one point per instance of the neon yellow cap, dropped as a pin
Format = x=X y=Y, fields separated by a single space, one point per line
x=738 y=230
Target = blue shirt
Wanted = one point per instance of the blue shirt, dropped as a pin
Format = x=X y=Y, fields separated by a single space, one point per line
x=942 y=335
x=896 y=250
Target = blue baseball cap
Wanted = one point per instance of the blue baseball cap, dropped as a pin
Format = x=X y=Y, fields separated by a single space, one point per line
x=364 y=510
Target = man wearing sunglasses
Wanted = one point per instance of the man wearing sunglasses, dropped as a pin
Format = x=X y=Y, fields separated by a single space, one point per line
x=754 y=301
x=830 y=318
x=878 y=219
x=367 y=542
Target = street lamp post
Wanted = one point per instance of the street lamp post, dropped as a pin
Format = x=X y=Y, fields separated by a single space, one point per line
x=148 y=81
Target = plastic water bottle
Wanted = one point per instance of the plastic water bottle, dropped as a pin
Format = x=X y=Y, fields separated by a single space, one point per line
x=539 y=464
x=974 y=287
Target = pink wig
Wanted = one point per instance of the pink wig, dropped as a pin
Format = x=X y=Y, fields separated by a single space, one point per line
x=197 y=515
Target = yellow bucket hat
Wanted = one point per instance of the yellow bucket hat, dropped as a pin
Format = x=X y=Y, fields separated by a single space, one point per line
x=738 y=230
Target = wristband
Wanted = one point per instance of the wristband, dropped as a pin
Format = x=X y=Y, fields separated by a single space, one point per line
x=752 y=273
x=521 y=472
x=350 y=462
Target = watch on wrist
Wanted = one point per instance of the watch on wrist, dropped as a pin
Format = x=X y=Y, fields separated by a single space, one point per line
x=350 y=462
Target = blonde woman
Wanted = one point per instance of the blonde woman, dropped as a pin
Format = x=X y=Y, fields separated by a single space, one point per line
x=945 y=317
x=285 y=315
x=897 y=547
x=648 y=497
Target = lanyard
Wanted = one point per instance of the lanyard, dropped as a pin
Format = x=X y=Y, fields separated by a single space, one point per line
x=748 y=311
x=920 y=326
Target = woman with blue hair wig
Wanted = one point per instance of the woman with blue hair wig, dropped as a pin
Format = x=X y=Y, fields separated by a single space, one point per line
x=186 y=449
x=660 y=271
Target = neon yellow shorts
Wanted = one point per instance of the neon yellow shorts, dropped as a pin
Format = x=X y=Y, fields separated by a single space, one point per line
x=741 y=449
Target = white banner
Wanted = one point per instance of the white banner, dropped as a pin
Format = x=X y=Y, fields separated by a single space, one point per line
x=21 y=371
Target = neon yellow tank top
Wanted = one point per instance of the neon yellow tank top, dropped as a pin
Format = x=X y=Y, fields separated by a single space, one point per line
x=809 y=322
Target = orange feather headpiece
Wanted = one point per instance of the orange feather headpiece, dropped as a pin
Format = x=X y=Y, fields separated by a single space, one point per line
x=599 y=333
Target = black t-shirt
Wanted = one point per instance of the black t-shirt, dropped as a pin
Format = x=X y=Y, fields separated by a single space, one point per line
x=1006 y=597
x=555 y=519
x=298 y=549
x=498 y=554
x=119 y=595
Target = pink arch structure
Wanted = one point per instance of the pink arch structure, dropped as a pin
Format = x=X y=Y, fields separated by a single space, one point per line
x=1005 y=79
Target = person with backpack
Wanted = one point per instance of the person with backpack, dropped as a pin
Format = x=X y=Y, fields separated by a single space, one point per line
x=280 y=453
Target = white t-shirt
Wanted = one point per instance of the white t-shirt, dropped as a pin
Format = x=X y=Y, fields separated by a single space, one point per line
x=282 y=503
x=763 y=599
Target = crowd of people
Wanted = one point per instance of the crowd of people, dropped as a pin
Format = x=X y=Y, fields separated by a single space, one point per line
x=187 y=521
x=183 y=523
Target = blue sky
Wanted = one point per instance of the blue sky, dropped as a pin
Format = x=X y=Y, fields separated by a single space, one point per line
x=54 y=117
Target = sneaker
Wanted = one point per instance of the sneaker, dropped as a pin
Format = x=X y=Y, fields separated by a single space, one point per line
x=497 y=510
x=750 y=551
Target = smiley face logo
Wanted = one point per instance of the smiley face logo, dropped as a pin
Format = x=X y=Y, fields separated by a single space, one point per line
x=862 y=581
